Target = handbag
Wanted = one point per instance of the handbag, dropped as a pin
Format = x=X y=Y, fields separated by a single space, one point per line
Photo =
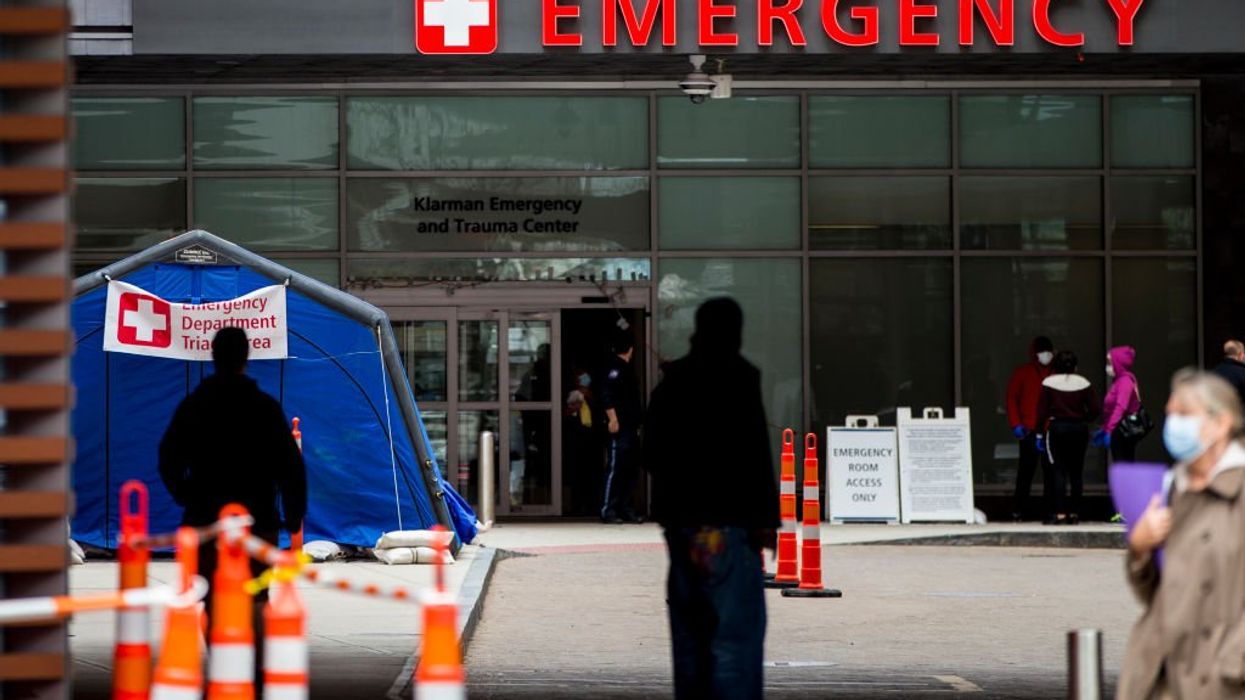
x=1134 y=426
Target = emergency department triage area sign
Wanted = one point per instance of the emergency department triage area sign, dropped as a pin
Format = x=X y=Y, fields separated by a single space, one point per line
x=863 y=483
x=936 y=466
x=140 y=323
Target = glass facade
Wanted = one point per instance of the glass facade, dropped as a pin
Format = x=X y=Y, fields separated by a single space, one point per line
x=890 y=247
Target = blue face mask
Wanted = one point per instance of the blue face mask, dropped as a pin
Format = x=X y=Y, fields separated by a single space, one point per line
x=1182 y=436
x=585 y=380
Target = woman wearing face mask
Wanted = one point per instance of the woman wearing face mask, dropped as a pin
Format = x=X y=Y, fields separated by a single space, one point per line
x=1123 y=399
x=1190 y=641
x=1067 y=406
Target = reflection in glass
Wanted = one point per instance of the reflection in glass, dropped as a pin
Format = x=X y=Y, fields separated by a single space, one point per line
x=1031 y=131
x=562 y=214
x=1164 y=346
x=470 y=425
x=1012 y=301
x=436 y=423
x=1153 y=212
x=877 y=131
x=1031 y=213
x=531 y=459
x=286 y=133
x=479 y=354
x=768 y=289
x=129 y=133
x=877 y=213
x=881 y=337
x=531 y=367
x=1153 y=131
x=497 y=133
x=422 y=345
x=269 y=213
x=366 y=272
x=326 y=270
x=708 y=213
x=742 y=132
x=125 y=214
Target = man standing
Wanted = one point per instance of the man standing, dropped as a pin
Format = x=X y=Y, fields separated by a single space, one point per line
x=1023 y=392
x=620 y=398
x=1233 y=366
x=715 y=496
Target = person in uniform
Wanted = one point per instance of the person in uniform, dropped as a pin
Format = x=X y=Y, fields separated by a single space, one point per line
x=620 y=400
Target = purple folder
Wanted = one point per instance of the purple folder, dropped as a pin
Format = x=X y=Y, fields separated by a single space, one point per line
x=1132 y=487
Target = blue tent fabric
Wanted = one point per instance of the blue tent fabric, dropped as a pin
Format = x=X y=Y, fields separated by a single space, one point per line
x=334 y=380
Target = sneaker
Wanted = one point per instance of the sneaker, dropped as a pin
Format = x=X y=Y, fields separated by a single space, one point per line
x=611 y=519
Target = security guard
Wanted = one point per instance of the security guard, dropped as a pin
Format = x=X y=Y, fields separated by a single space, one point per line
x=620 y=398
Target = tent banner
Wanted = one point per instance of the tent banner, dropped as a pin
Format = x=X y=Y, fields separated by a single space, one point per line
x=140 y=323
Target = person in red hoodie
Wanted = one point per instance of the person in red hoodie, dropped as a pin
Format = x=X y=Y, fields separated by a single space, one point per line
x=1123 y=399
x=1023 y=392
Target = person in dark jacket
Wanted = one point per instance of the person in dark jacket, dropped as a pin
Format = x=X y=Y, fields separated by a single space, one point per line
x=715 y=495
x=621 y=402
x=1233 y=366
x=1066 y=408
x=1023 y=391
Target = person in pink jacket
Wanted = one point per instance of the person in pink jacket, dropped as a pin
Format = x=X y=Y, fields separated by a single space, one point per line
x=1123 y=399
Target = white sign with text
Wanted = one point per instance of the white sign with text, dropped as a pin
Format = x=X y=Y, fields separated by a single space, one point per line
x=935 y=466
x=863 y=483
x=140 y=323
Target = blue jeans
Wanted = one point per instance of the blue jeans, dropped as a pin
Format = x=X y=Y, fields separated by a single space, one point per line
x=716 y=595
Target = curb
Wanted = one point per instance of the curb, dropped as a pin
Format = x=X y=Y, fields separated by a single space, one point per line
x=1055 y=539
x=470 y=610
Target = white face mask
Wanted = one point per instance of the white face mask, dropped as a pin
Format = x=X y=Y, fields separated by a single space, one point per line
x=1111 y=370
x=1045 y=357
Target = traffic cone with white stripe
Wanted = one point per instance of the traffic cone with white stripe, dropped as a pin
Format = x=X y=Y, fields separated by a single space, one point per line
x=131 y=678
x=440 y=674
x=285 y=635
x=231 y=667
x=810 y=554
x=179 y=675
x=787 y=575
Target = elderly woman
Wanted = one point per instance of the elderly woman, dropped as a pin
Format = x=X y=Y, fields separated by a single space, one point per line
x=1190 y=641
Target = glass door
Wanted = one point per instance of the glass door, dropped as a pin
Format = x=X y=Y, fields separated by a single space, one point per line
x=534 y=431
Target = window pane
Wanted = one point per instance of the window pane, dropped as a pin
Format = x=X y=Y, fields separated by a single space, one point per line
x=129 y=133
x=1031 y=213
x=1153 y=213
x=497 y=133
x=769 y=292
x=437 y=427
x=470 y=425
x=742 y=132
x=1008 y=302
x=704 y=213
x=265 y=132
x=563 y=214
x=529 y=344
x=423 y=347
x=881 y=337
x=879 y=132
x=1161 y=324
x=1152 y=131
x=450 y=270
x=269 y=213
x=531 y=466
x=1031 y=131
x=876 y=213
x=326 y=270
x=479 y=353
x=125 y=214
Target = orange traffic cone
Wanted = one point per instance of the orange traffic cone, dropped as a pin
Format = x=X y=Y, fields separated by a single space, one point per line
x=440 y=674
x=179 y=675
x=285 y=636
x=810 y=555
x=231 y=668
x=788 y=564
x=132 y=656
x=296 y=538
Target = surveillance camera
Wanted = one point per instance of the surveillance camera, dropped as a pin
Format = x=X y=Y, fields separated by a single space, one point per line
x=697 y=85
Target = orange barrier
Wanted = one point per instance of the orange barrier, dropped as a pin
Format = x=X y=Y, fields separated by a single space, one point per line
x=440 y=674
x=23 y=610
x=179 y=675
x=231 y=668
x=296 y=538
x=131 y=679
x=285 y=636
x=787 y=575
x=810 y=554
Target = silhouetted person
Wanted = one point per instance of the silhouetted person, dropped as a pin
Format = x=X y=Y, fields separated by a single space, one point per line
x=1232 y=368
x=707 y=447
x=620 y=398
x=229 y=442
x=1023 y=391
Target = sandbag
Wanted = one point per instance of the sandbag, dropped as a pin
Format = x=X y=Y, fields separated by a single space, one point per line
x=323 y=550
x=76 y=555
x=414 y=538
x=411 y=555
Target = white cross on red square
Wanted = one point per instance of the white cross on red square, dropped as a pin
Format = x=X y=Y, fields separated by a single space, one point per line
x=144 y=320
x=456 y=26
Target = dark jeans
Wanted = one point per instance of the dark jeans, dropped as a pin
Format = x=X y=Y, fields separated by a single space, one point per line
x=1028 y=464
x=620 y=456
x=1067 y=441
x=716 y=596
x=1123 y=449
